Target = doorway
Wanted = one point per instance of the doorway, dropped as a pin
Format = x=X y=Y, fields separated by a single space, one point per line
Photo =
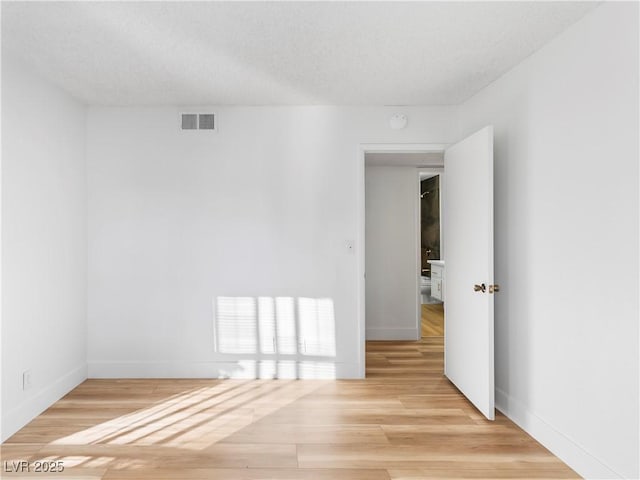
x=468 y=231
x=431 y=258
x=390 y=245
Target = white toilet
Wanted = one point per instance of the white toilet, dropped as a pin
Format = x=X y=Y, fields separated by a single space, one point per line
x=425 y=290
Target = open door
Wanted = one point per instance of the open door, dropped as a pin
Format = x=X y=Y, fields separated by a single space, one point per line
x=468 y=236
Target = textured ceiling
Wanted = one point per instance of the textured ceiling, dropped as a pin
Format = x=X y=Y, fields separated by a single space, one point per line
x=257 y=53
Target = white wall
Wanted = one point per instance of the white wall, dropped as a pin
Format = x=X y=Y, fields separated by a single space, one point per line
x=392 y=249
x=263 y=208
x=44 y=235
x=566 y=217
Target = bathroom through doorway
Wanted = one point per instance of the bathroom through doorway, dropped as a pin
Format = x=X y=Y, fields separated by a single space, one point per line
x=431 y=259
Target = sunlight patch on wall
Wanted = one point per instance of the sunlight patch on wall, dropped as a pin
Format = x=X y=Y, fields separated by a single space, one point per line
x=268 y=337
x=320 y=370
x=267 y=324
x=236 y=324
x=281 y=369
x=286 y=325
x=317 y=326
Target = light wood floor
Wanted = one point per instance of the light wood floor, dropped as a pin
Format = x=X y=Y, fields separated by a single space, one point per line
x=432 y=320
x=405 y=421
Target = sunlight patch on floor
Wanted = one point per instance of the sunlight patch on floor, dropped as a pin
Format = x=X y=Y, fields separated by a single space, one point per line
x=197 y=419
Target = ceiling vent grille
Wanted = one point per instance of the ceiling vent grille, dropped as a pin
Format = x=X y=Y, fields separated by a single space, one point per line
x=189 y=121
x=198 y=121
x=207 y=121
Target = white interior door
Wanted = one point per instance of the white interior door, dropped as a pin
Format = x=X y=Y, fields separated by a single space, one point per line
x=468 y=233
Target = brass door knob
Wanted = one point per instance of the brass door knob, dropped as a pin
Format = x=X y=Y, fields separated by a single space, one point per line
x=480 y=288
x=494 y=288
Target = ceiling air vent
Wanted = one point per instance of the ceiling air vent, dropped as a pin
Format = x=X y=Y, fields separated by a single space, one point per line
x=198 y=121
x=189 y=121
x=206 y=121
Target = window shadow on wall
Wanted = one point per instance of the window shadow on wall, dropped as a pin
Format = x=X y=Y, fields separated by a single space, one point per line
x=276 y=337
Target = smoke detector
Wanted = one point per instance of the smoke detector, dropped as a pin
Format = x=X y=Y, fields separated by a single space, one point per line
x=398 y=121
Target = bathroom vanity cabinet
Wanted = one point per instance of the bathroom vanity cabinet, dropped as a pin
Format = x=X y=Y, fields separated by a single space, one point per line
x=437 y=279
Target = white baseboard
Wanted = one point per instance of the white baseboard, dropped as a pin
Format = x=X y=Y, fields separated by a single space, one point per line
x=373 y=333
x=565 y=448
x=18 y=417
x=244 y=369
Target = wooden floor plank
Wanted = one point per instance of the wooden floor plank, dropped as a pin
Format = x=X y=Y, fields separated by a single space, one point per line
x=432 y=320
x=252 y=474
x=316 y=434
x=400 y=456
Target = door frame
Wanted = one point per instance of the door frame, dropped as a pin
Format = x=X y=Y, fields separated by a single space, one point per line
x=362 y=150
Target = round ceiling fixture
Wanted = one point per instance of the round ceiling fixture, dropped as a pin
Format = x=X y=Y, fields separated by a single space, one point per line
x=398 y=121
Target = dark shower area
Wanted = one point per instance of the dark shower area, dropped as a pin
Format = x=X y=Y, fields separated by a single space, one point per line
x=430 y=222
